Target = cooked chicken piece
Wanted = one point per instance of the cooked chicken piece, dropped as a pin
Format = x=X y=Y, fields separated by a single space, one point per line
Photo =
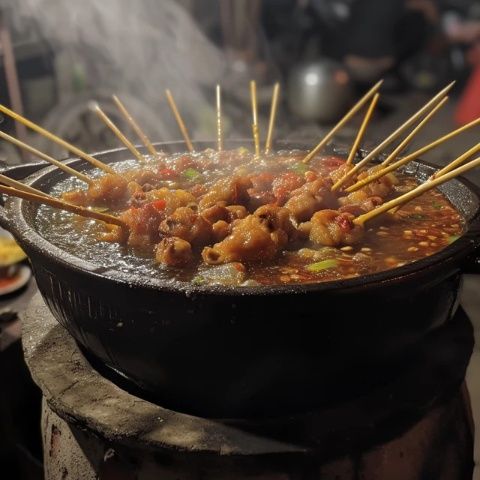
x=340 y=172
x=229 y=190
x=258 y=237
x=143 y=224
x=174 y=252
x=108 y=190
x=381 y=187
x=173 y=198
x=220 y=230
x=309 y=198
x=188 y=225
x=215 y=213
x=332 y=228
x=358 y=202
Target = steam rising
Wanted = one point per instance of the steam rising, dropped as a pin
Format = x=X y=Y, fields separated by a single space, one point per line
x=134 y=48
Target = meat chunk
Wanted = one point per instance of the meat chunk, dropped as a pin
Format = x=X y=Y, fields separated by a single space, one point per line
x=228 y=190
x=381 y=187
x=258 y=237
x=143 y=223
x=186 y=224
x=358 y=202
x=110 y=189
x=173 y=198
x=309 y=198
x=174 y=252
x=332 y=228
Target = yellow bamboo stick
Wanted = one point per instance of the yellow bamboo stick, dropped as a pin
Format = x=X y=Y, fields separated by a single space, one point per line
x=141 y=134
x=424 y=187
x=56 y=203
x=343 y=121
x=179 y=120
x=273 y=114
x=68 y=146
x=410 y=157
x=394 y=135
x=219 y=118
x=256 y=134
x=401 y=146
x=44 y=156
x=116 y=131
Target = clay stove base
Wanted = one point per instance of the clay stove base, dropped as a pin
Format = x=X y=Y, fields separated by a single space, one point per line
x=92 y=429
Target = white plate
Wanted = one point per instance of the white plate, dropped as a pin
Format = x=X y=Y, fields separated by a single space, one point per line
x=21 y=279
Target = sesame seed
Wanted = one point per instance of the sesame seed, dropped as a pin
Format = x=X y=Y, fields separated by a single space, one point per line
x=365 y=249
x=412 y=249
x=432 y=237
x=423 y=244
x=433 y=244
x=347 y=249
x=418 y=209
x=382 y=234
x=407 y=232
x=384 y=228
x=423 y=231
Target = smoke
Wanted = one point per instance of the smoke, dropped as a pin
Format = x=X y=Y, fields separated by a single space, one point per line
x=132 y=48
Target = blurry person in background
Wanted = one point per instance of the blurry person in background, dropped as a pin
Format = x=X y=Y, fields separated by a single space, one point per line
x=371 y=37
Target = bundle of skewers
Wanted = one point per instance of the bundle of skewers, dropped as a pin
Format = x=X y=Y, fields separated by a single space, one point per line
x=355 y=174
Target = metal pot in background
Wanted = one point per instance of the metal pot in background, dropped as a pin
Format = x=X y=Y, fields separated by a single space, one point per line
x=319 y=90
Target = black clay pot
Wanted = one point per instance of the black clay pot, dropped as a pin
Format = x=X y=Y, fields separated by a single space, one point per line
x=254 y=351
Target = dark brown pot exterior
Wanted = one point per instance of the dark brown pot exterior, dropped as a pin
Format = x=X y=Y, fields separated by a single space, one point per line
x=252 y=352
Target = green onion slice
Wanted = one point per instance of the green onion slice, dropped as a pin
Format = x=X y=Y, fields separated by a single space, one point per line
x=323 y=265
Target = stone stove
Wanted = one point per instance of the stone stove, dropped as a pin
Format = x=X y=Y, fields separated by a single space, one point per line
x=415 y=428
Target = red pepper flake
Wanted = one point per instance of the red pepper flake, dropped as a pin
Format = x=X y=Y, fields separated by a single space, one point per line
x=167 y=173
x=158 y=204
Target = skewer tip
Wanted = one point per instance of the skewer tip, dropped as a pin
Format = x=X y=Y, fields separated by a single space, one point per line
x=94 y=106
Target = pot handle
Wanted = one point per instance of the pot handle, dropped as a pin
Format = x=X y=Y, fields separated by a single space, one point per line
x=17 y=172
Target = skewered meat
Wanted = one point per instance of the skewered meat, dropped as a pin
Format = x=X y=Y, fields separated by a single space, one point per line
x=174 y=252
x=184 y=223
x=257 y=237
x=332 y=228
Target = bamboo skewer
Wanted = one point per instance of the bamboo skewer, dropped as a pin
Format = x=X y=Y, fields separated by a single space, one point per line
x=68 y=146
x=178 y=118
x=461 y=159
x=424 y=187
x=362 y=129
x=56 y=203
x=218 y=95
x=45 y=157
x=414 y=132
x=273 y=114
x=343 y=121
x=410 y=157
x=141 y=134
x=256 y=135
x=21 y=186
x=117 y=132
x=394 y=135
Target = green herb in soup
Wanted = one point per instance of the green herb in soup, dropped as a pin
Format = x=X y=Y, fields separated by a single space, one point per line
x=231 y=219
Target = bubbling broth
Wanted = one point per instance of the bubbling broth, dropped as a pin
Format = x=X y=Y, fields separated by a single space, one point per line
x=232 y=219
